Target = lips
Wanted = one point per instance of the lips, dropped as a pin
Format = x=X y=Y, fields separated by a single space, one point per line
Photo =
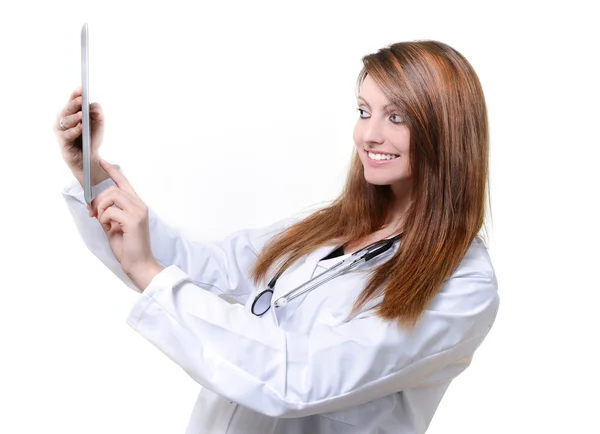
x=381 y=152
x=382 y=161
x=381 y=156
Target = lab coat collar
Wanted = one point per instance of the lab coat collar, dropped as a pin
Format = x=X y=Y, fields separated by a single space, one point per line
x=300 y=272
x=304 y=270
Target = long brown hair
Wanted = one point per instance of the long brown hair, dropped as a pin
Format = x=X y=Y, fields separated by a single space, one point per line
x=443 y=105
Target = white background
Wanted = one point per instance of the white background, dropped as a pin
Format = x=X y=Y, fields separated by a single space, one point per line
x=227 y=115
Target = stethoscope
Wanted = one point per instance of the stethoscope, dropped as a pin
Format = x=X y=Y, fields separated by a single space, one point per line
x=262 y=302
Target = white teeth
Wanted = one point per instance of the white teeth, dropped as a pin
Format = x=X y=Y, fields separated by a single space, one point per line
x=374 y=156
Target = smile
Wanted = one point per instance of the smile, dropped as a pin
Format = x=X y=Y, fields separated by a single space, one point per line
x=379 y=157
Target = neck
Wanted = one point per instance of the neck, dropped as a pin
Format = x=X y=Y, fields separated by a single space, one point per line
x=401 y=201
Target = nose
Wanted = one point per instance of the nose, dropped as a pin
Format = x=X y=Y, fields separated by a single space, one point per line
x=372 y=132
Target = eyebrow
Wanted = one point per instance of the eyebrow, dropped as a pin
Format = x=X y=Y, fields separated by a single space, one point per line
x=385 y=107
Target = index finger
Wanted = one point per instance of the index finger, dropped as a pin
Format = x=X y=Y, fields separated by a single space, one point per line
x=76 y=92
x=117 y=176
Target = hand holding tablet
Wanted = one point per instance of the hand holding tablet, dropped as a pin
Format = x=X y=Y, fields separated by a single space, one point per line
x=79 y=128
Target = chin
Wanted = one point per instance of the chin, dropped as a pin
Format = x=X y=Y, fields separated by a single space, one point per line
x=379 y=180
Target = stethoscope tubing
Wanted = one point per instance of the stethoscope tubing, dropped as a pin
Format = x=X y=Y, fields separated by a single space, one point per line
x=297 y=292
x=363 y=255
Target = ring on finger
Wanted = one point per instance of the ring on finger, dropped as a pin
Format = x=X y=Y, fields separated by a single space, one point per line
x=62 y=127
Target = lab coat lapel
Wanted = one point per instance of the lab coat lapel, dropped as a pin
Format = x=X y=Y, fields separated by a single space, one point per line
x=305 y=270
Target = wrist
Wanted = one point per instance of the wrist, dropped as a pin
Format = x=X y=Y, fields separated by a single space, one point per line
x=98 y=176
x=142 y=274
x=97 y=173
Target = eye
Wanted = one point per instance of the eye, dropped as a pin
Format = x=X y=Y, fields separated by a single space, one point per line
x=396 y=119
x=362 y=113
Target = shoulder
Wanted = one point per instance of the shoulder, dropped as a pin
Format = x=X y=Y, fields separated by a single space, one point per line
x=259 y=235
x=472 y=289
x=476 y=261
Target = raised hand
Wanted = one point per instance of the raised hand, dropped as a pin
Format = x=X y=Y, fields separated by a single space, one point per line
x=124 y=218
x=67 y=129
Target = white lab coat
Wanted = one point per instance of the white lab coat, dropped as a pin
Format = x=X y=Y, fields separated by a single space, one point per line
x=300 y=368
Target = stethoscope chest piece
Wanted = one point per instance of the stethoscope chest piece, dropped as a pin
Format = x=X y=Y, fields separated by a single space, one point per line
x=262 y=302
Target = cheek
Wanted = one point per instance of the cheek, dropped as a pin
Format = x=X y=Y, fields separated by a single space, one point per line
x=356 y=135
x=406 y=163
x=403 y=143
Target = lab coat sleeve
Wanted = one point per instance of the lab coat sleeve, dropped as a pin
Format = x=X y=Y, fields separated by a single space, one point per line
x=221 y=267
x=334 y=367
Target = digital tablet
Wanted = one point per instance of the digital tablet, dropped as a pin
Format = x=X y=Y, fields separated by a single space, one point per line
x=85 y=119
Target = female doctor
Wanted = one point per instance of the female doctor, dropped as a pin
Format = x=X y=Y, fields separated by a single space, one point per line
x=354 y=319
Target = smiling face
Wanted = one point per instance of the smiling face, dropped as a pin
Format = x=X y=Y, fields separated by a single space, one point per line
x=382 y=138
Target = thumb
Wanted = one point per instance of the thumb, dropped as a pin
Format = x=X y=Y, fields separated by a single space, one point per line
x=96 y=113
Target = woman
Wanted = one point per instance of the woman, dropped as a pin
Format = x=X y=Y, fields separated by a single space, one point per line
x=371 y=350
